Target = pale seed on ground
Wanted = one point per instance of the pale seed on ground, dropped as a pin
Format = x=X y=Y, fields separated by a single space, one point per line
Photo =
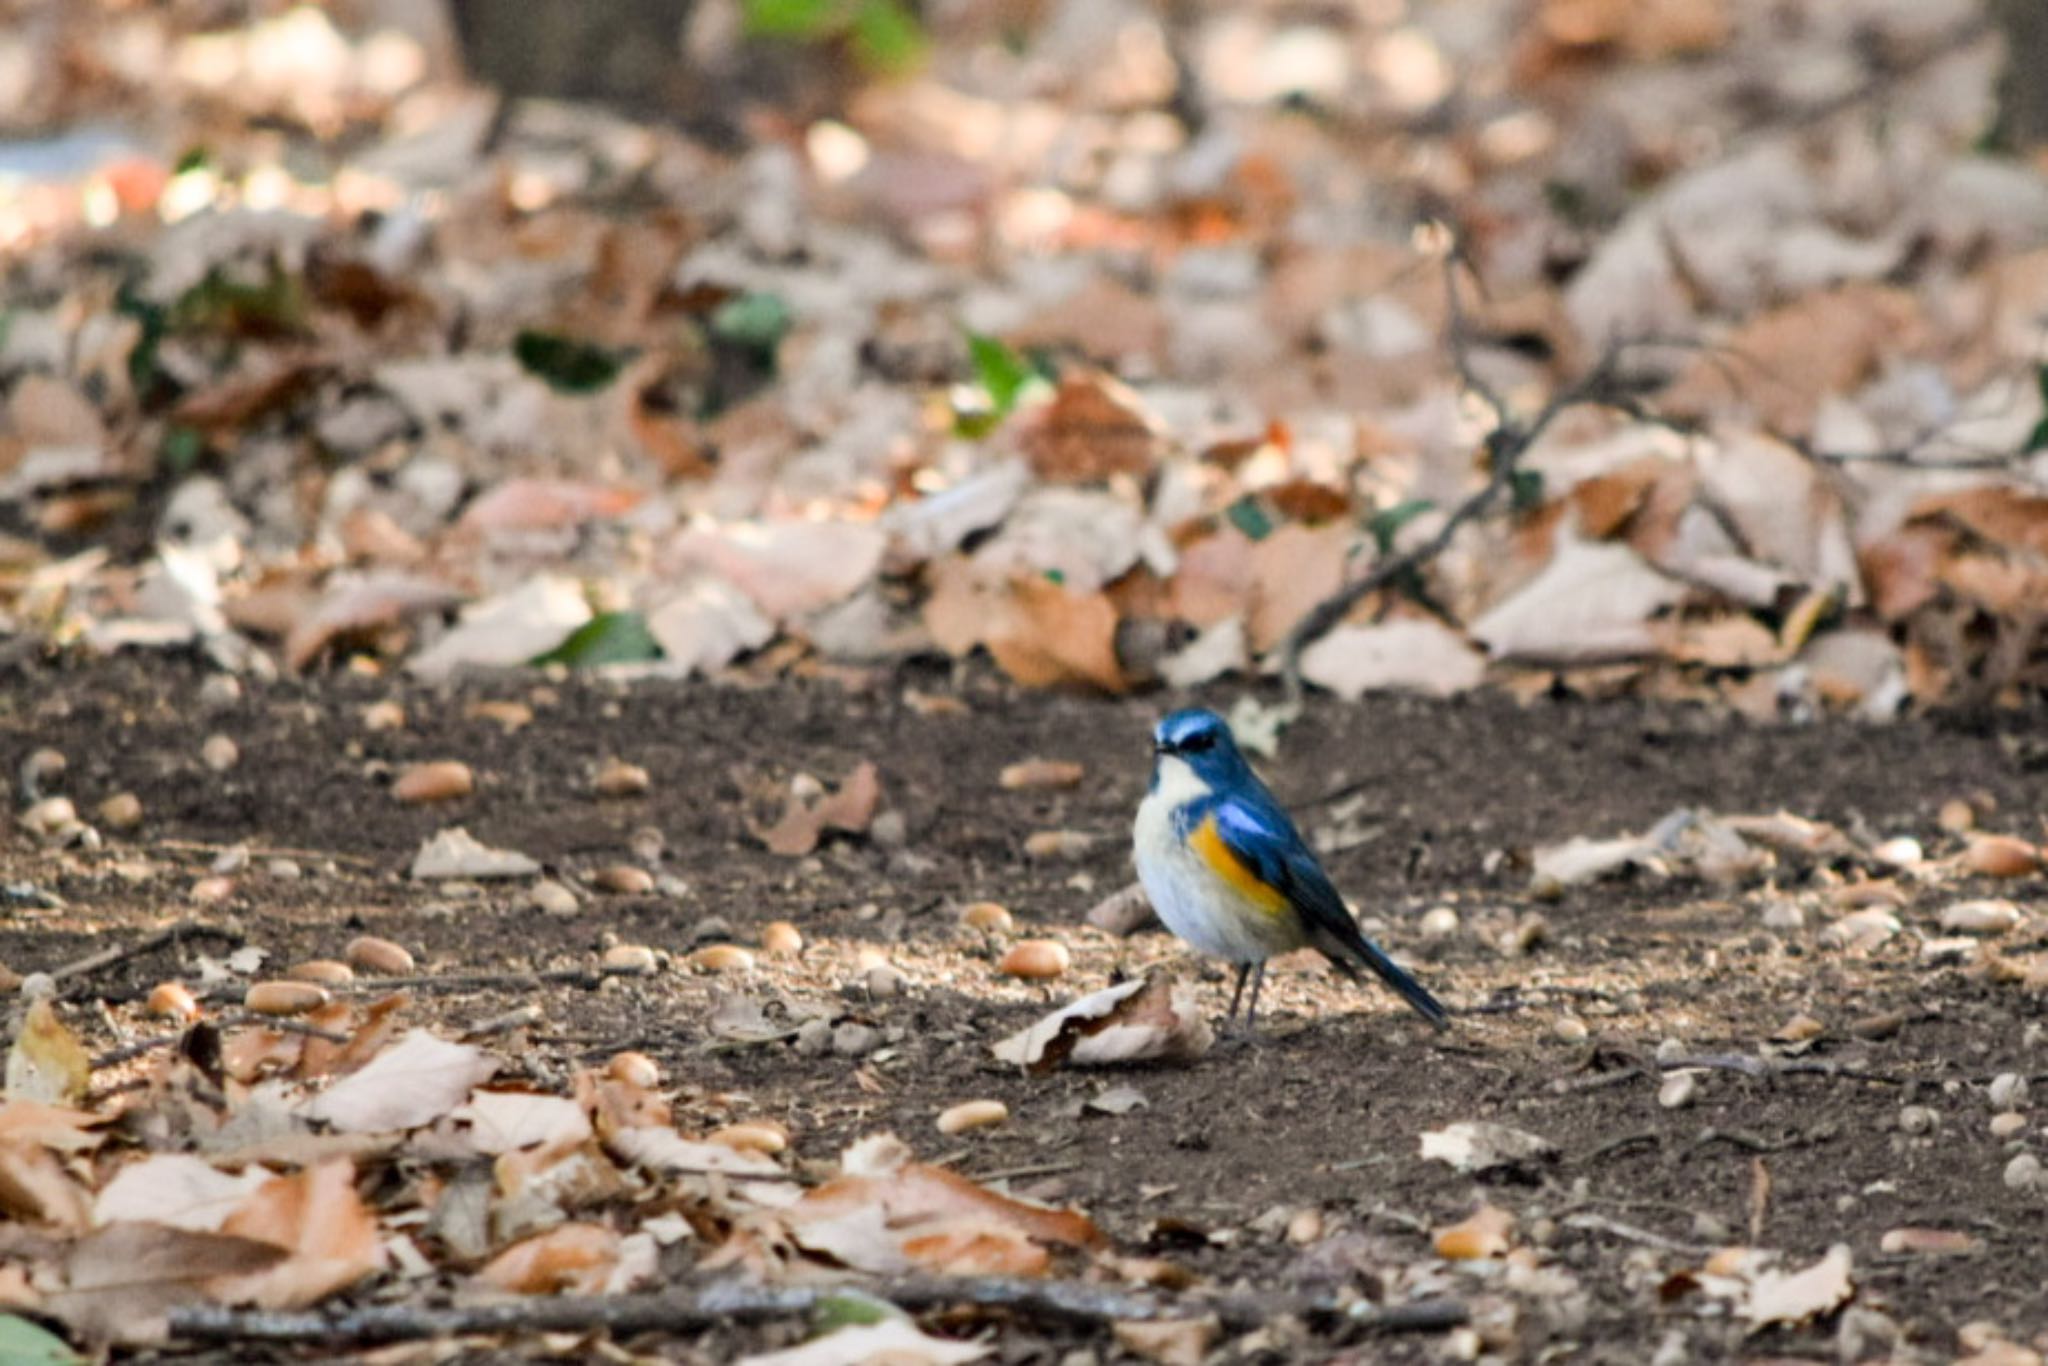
x=1037 y=958
x=635 y=1069
x=552 y=898
x=1783 y=916
x=173 y=1000
x=620 y=779
x=1927 y=1241
x=1901 y=852
x=723 y=958
x=379 y=956
x=1678 y=1090
x=782 y=939
x=1799 y=1029
x=325 y=971
x=629 y=958
x=1059 y=844
x=209 y=891
x=122 y=811
x=2007 y=1123
x=1305 y=1227
x=1438 y=922
x=623 y=879
x=1041 y=774
x=2008 y=1091
x=884 y=980
x=440 y=781
x=987 y=917
x=48 y=816
x=284 y=998
x=854 y=1039
x=220 y=753
x=868 y=956
x=1956 y=816
x=283 y=869
x=385 y=715
x=509 y=715
x=1980 y=917
x=814 y=1036
x=1917 y=1119
x=2023 y=1173
x=2000 y=856
x=1570 y=1029
x=1670 y=1050
x=973 y=1114
x=752 y=1136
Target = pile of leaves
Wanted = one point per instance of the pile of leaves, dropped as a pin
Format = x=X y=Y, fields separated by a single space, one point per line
x=1113 y=369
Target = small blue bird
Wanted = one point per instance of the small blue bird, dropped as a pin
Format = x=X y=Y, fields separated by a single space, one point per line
x=1228 y=872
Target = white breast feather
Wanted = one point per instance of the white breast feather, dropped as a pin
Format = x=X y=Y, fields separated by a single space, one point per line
x=1192 y=900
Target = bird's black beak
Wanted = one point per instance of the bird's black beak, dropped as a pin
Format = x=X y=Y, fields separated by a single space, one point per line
x=1161 y=747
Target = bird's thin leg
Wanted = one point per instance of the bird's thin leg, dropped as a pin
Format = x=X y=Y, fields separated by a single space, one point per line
x=1251 y=1016
x=1243 y=971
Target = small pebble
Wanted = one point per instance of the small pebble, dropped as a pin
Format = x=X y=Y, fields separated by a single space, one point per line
x=220 y=690
x=884 y=980
x=647 y=844
x=1670 y=1050
x=620 y=779
x=973 y=1114
x=2007 y=1123
x=1438 y=922
x=782 y=939
x=48 y=816
x=635 y=1069
x=854 y=1039
x=220 y=753
x=1799 y=1029
x=283 y=870
x=173 y=1000
x=987 y=917
x=122 y=811
x=623 y=879
x=814 y=1036
x=1902 y=852
x=1917 y=1119
x=509 y=716
x=1988 y=916
x=210 y=891
x=379 y=956
x=2008 y=1091
x=723 y=958
x=2023 y=1173
x=385 y=715
x=284 y=998
x=440 y=781
x=1037 y=958
x=1570 y=1029
x=753 y=1136
x=1305 y=1227
x=1678 y=1089
x=1957 y=816
x=1784 y=917
x=629 y=958
x=325 y=971
x=552 y=898
x=1059 y=844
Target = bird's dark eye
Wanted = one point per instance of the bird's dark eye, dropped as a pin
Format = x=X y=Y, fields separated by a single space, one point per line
x=1198 y=742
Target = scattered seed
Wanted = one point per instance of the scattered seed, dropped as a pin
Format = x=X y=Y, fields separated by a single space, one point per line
x=620 y=779
x=49 y=816
x=509 y=715
x=1927 y=1241
x=173 y=1000
x=1438 y=922
x=1678 y=1090
x=723 y=958
x=122 y=811
x=1783 y=916
x=2007 y=1123
x=440 y=781
x=868 y=956
x=386 y=715
x=2000 y=856
x=635 y=1069
x=210 y=891
x=623 y=879
x=1484 y=1234
x=324 y=971
x=1901 y=852
x=884 y=980
x=1305 y=1227
x=1059 y=844
x=813 y=1037
x=1799 y=1029
x=630 y=958
x=2008 y=1091
x=220 y=753
x=284 y=998
x=1670 y=1049
x=1981 y=917
x=1570 y=1029
x=283 y=870
x=1957 y=816
x=380 y=956
x=1041 y=774
x=2023 y=1173
x=782 y=939
x=552 y=898
x=753 y=1136
x=987 y=917
x=1037 y=958
x=854 y=1039
x=1917 y=1119
x=973 y=1114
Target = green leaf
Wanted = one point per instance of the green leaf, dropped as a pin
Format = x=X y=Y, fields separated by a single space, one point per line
x=183 y=448
x=194 y=158
x=1250 y=517
x=1387 y=522
x=850 y=1309
x=274 y=306
x=887 y=38
x=1525 y=487
x=754 y=322
x=1000 y=371
x=612 y=638
x=569 y=366
x=24 y=1344
x=807 y=20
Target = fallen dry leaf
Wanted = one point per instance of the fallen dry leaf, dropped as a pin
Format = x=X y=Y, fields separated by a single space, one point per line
x=892 y=1342
x=1171 y=1342
x=329 y=1235
x=506 y=1121
x=805 y=820
x=36 y=1189
x=1151 y=1019
x=178 y=1190
x=1483 y=1146
x=46 y=1061
x=119 y=1282
x=1795 y=1296
x=1093 y=427
x=1485 y=1233
x=455 y=853
x=569 y=1259
x=415 y=1081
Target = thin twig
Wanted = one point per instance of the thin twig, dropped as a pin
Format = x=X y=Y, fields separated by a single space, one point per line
x=207 y=847
x=170 y=934
x=1600 y=1223
x=587 y=978
x=128 y=1052
x=691 y=1309
x=1777 y=1067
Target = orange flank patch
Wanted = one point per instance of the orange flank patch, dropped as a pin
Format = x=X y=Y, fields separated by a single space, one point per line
x=1207 y=842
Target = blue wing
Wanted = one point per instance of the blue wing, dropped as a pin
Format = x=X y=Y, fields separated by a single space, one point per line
x=1254 y=828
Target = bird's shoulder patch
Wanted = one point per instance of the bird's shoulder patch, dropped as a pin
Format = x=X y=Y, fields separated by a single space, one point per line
x=1209 y=845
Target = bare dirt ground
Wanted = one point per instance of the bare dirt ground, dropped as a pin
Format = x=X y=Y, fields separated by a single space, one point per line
x=1436 y=804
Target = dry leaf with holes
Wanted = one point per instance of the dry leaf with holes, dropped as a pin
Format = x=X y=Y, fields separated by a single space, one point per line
x=806 y=819
x=329 y=1236
x=1150 y=1019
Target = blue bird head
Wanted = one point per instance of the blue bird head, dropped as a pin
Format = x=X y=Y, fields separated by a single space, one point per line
x=1202 y=740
